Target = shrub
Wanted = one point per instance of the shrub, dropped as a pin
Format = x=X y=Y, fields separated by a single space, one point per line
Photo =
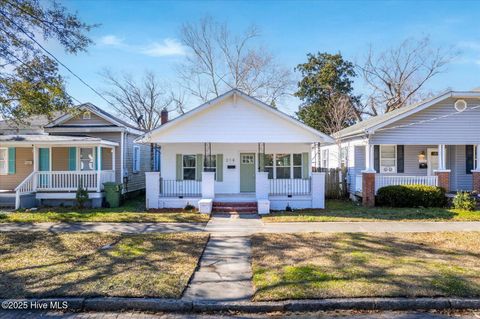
x=463 y=200
x=411 y=196
x=81 y=196
x=189 y=207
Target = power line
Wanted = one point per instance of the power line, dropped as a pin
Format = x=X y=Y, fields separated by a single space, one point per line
x=56 y=59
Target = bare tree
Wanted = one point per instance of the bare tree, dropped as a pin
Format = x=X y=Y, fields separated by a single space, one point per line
x=141 y=103
x=222 y=61
x=398 y=75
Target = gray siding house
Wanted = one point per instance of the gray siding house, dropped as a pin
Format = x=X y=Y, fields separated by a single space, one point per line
x=435 y=142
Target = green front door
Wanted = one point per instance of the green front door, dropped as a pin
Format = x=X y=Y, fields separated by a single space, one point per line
x=43 y=166
x=247 y=172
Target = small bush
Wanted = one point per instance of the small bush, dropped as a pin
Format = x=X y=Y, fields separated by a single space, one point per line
x=411 y=196
x=189 y=207
x=463 y=200
x=81 y=196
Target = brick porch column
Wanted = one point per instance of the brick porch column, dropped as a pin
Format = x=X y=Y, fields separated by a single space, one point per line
x=476 y=181
x=368 y=188
x=443 y=179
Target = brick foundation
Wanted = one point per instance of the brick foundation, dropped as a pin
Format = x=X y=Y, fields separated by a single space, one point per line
x=443 y=179
x=368 y=189
x=476 y=181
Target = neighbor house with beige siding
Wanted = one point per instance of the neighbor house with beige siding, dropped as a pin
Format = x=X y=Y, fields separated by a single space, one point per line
x=435 y=142
x=46 y=164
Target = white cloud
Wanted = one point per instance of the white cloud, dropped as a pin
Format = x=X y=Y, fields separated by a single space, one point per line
x=111 y=40
x=168 y=47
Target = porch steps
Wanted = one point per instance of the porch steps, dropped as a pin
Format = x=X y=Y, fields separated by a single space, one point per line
x=235 y=207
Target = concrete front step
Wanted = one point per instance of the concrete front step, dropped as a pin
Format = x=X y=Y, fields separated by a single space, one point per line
x=229 y=209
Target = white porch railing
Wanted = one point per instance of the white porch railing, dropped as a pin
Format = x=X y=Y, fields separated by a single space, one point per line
x=185 y=188
x=289 y=187
x=62 y=181
x=25 y=187
x=387 y=180
x=71 y=180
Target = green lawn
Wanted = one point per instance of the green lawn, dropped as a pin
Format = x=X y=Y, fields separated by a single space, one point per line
x=75 y=264
x=132 y=211
x=324 y=265
x=343 y=211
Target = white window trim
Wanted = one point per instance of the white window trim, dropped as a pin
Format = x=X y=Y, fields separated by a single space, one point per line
x=343 y=151
x=136 y=161
x=87 y=115
x=274 y=166
x=6 y=160
x=194 y=167
x=79 y=159
x=394 y=158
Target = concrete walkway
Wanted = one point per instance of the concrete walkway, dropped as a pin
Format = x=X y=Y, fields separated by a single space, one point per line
x=244 y=226
x=225 y=272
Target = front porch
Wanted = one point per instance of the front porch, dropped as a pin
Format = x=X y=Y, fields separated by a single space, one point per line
x=44 y=169
x=276 y=175
x=452 y=167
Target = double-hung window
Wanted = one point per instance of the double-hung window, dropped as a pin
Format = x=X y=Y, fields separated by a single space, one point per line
x=297 y=165
x=136 y=158
x=388 y=159
x=189 y=167
x=343 y=157
x=475 y=158
x=269 y=167
x=282 y=169
x=325 y=158
x=3 y=161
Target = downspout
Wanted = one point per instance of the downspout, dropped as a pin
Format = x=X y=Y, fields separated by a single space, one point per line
x=122 y=144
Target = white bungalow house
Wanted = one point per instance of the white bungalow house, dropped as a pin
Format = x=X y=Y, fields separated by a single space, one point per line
x=434 y=142
x=234 y=152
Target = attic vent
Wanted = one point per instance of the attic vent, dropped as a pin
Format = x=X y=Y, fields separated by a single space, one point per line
x=460 y=105
x=87 y=115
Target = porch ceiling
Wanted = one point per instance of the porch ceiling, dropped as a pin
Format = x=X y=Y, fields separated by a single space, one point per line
x=51 y=140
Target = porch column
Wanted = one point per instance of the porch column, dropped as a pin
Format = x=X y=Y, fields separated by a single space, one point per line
x=442 y=173
x=114 y=165
x=476 y=171
x=99 y=172
x=368 y=177
x=152 y=189
x=208 y=185
x=318 y=190
x=35 y=166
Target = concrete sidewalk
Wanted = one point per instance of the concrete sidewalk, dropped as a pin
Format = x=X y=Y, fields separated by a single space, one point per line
x=244 y=226
x=225 y=273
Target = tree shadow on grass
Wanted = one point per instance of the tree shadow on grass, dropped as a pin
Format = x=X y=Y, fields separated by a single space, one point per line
x=153 y=265
x=364 y=265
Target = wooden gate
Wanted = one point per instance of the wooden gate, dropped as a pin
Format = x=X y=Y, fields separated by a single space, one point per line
x=335 y=183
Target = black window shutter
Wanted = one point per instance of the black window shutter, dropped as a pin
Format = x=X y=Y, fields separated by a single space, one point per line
x=400 y=159
x=376 y=158
x=469 y=158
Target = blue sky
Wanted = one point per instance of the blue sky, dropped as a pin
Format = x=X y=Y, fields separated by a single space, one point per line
x=135 y=36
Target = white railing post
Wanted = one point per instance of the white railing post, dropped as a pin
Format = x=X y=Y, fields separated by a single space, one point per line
x=99 y=169
x=262 y=187
x=318 y=190
x=208 y=185
x=152 y=180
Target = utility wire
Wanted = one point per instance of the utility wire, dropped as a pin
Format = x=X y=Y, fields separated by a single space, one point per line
x=55 y=58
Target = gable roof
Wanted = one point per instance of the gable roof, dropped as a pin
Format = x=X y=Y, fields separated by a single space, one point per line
x=101 y=113
x=369 y=125
x=233 y=93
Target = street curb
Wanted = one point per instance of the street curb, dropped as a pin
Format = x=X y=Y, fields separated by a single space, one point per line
x=184 y=306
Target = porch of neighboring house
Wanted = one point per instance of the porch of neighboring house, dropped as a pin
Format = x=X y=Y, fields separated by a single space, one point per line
x=453 y=167
x=48 y=170
x=241 y=176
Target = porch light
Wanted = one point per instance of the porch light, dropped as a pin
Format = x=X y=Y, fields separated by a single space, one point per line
x=421 y=156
